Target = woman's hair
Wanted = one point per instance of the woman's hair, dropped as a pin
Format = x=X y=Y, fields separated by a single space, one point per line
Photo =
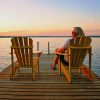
x=79 y=31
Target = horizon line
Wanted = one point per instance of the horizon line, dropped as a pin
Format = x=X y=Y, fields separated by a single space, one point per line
x=46 y=36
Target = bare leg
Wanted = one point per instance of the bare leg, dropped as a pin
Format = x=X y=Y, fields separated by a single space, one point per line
x=55 y=61
x=60 y=50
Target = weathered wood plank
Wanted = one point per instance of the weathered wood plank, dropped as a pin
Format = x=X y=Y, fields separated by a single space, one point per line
x=47 y=86
x=47 y=93
x=12 y=97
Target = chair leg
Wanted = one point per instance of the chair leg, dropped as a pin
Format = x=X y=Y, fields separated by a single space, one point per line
x=36 y=62
x=33 y=74
x=79 y=71
x=12 y=72
x=66 y=73
x=11 y=77
x=38 y=65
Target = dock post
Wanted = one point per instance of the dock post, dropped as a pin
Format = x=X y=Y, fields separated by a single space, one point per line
x=37 y=45
x=48 y=48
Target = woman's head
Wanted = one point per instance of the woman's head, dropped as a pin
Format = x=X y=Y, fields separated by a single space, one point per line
x=77 y=31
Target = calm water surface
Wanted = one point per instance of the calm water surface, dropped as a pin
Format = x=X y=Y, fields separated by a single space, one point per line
x=55 y=42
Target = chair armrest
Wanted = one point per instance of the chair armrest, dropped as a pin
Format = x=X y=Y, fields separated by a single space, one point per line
x=38 y=53
x=64 y=54
x=11 y=53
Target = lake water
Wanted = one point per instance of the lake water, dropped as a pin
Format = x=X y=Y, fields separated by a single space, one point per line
x=55 y=42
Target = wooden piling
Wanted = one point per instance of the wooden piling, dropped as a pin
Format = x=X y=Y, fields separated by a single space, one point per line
x=48 y=48
x=37 y=45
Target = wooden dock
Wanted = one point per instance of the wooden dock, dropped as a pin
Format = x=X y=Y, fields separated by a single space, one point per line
x=48 y=85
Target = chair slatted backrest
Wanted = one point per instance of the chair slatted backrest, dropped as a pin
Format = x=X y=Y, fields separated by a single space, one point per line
x=23 y=48
x=78 y=49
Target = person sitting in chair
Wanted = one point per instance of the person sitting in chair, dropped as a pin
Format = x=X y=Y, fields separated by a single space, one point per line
x=77 y=31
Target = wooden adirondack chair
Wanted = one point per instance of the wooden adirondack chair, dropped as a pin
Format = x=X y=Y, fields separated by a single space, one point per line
x=76 y=54
x=22 y=47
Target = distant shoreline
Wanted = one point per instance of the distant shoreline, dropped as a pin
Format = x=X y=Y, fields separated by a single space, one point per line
x=41 y=36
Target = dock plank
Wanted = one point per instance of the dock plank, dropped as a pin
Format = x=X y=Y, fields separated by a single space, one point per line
x=48 y=85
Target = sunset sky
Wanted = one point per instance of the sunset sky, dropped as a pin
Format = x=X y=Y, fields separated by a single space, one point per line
x=49 y=17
